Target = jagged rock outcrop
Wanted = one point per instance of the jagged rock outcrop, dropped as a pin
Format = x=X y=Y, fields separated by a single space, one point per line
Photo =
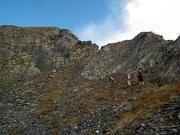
x=28 y=51
x=147 y=51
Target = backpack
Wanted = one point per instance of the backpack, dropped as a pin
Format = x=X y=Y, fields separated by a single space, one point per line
x=140 y=75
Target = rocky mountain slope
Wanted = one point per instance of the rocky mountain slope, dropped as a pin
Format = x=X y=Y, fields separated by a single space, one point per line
x=52 y=83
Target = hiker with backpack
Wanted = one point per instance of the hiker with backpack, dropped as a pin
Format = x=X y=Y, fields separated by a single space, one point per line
x=129 y=77
x=139 y=74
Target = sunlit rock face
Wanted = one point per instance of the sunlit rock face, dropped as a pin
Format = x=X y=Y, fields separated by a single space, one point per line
x=147 y=51
x=29 y=51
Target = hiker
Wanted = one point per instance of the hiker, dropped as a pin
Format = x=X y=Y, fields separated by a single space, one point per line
x=129 y=79
x=139 y=74
x=111 y=80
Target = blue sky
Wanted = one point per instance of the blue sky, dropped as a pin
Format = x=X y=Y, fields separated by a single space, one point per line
x=101 y=21
x=61 y=13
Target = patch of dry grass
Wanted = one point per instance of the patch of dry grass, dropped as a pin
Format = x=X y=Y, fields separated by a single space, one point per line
x=75 y=119
x=39 y=31
x=148 y=99
x=14 y=131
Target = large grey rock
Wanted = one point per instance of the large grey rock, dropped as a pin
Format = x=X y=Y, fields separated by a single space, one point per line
x=5 y=53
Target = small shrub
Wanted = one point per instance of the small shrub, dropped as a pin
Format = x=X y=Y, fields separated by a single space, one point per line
x=48 y=119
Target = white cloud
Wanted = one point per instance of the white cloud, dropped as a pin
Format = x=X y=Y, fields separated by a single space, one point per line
x=159 y=16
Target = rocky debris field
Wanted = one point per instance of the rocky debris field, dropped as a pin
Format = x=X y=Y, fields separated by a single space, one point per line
x=32 y=108
x=164 y=121
x=19 y=117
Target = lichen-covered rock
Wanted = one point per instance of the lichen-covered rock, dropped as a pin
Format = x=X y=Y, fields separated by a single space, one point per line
x=5 y=53
x=28 y=51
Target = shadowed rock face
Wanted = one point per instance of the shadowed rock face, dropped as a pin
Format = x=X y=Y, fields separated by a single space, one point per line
x=178 y=39
x=29 y=51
